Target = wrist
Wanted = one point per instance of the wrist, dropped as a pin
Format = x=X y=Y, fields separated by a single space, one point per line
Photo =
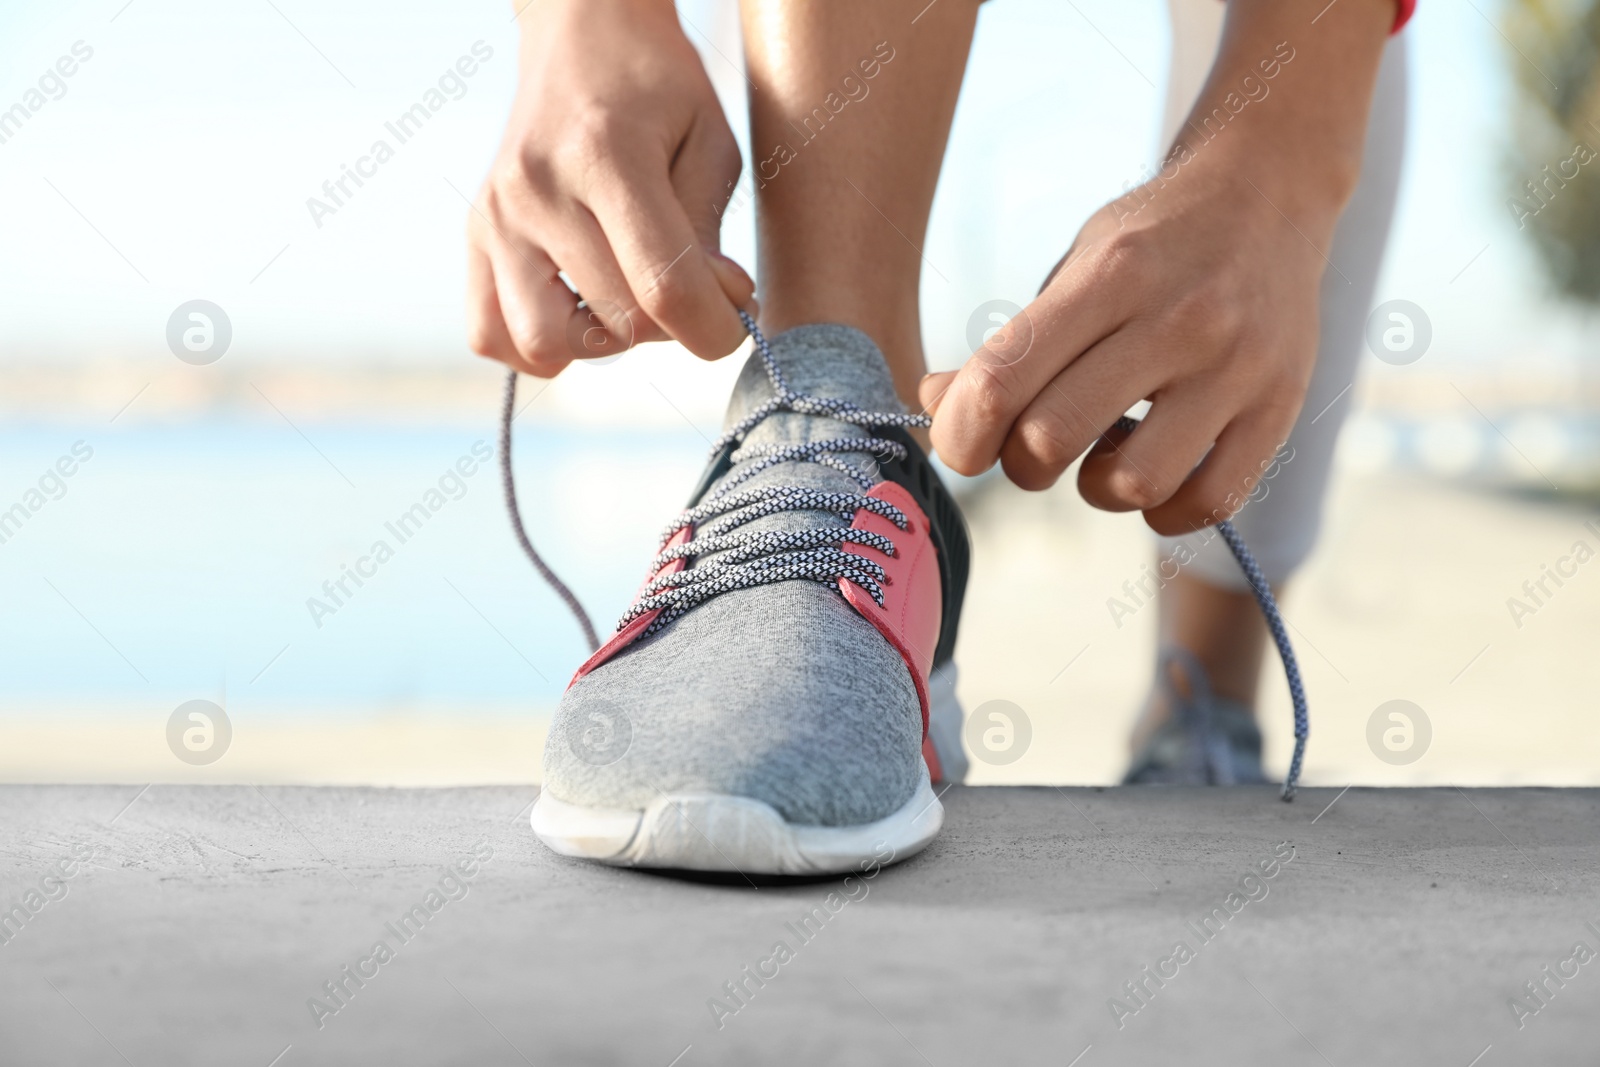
x=534 y=17
x=1285 y=106
x=521 y=7
x=1308 y=184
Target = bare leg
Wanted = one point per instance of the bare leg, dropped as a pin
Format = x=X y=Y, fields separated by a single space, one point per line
x=1224 y=630
x=845 y=164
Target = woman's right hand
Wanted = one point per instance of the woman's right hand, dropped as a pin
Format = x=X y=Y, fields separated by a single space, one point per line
x=616 y=165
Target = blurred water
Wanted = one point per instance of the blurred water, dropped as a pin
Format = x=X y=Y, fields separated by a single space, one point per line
x=177 y=561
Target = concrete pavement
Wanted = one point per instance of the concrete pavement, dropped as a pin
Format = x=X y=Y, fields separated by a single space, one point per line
x=241 y=925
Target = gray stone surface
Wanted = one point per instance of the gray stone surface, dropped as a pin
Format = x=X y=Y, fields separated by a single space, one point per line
x=208 y=916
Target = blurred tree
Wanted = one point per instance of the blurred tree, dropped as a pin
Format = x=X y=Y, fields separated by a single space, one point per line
x=1554 y=160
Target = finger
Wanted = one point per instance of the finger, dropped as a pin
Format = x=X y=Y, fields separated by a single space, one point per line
x=666 y=266
x=931 y=390
x=1146 y=469
x=1230 y=472
x=1003 y=377
x=1076 y=408
x=535 y=305
x=486 y=328
x=582 y=248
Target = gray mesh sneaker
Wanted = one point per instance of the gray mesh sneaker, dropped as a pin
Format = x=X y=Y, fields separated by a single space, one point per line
x=1205 y=740
x=763 y=705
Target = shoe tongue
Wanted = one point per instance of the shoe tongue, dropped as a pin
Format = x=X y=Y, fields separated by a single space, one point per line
x=822 y=360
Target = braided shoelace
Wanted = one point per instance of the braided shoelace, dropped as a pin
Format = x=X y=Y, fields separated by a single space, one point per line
x=754 y=558
x=758 y=558
x=1280 y=636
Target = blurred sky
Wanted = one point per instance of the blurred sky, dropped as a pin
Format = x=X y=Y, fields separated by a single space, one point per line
x=193 y=137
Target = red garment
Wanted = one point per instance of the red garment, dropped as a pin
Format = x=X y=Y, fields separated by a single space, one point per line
x=1404 y=9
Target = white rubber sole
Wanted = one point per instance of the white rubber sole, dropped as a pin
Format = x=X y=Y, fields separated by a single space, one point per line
x=716 y=832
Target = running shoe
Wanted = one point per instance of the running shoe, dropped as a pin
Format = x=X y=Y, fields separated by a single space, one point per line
x=764 y=705
x=1204 y=740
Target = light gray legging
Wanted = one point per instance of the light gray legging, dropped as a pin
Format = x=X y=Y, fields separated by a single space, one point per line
x=1280 y=525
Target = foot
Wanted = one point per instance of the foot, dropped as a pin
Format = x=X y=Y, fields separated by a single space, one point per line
x=763 y=705
x=1202 y=739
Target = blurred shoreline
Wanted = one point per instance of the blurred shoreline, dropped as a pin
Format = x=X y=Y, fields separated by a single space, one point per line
x=1534 y=424
x=483 y=746
x=463 y=385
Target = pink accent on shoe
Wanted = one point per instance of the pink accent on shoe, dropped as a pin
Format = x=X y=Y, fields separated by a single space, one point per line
x=627 y=635
x=912 y=597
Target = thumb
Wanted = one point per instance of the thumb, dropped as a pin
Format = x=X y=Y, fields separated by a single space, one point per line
x=704 y=177
x=932 y=388
x=735 y=282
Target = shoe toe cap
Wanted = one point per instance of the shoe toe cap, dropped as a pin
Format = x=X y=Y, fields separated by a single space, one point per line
x=782 y=693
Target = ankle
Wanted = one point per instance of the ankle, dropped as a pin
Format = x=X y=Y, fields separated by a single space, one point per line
x=895 y=330
x=1222 y=629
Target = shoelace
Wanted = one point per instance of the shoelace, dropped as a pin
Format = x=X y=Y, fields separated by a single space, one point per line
x=1280 y=636
x=758 y=558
